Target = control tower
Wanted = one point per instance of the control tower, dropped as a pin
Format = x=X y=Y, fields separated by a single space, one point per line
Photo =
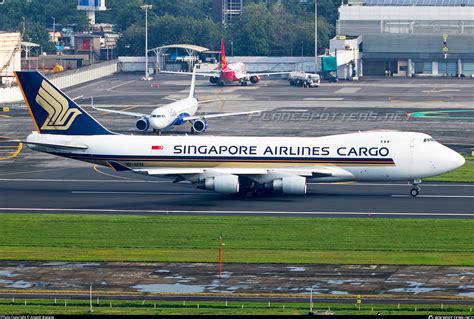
x=91 y=6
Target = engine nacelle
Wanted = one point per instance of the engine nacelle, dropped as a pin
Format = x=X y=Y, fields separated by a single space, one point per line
x=142 y=124
x=228 y=184
x=294 y=185
x=254 y=79
x=213 y=79
x=199 y=126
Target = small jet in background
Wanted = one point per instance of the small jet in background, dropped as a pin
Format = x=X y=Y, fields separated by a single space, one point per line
x=175 y=113
x=232 y=72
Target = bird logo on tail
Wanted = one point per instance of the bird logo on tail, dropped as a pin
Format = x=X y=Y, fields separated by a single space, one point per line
x=60 y=116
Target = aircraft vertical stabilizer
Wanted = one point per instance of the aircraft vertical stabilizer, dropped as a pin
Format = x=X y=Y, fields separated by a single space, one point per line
x=52 y=111
x=223 y=59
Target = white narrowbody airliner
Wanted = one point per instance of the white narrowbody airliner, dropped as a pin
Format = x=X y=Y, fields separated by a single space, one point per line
x=228 y=164
x=175 y=113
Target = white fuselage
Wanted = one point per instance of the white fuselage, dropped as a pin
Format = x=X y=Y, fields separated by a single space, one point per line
x=365 y=156
x=170 y=114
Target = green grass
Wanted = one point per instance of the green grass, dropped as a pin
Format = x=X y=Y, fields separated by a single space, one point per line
x=247 y=239
x=81 y=307
x=464 y=174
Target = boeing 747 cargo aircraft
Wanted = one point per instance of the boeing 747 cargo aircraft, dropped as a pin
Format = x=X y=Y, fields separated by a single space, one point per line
x=232 y=164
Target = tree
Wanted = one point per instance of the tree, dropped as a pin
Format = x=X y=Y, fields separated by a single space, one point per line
x=169 y=30
x=252 y=30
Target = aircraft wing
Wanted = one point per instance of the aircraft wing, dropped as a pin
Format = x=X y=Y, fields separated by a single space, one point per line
x=207 y=74
x=323 y=173
x=120 y=112
x=267 y=73
x=196 y=117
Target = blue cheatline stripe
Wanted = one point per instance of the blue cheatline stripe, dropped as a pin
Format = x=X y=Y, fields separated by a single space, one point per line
x=248 y=159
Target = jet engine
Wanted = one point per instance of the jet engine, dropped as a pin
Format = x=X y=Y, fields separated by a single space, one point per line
x=228 y=184
x=142 y=124
x=213 y=79
x=254 y=79
x=294 y=185
x=199 y=126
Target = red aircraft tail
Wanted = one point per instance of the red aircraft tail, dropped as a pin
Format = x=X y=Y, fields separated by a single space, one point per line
x=223 y=59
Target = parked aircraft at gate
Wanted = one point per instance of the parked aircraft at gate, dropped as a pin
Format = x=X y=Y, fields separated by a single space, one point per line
x=175 y=113
x=232 y=72
x=231 y=164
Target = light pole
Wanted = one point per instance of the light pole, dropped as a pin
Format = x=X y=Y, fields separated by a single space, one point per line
x=316 y=36
x=90 y=298
x=232 y=47
x=146 y=7
x=54 y=29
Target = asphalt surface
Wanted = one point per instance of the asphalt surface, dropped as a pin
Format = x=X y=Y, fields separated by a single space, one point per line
x=36 y=182
x=86 y=191
x=32 y=182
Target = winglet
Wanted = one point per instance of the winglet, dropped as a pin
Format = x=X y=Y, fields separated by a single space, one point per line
x=193 y=83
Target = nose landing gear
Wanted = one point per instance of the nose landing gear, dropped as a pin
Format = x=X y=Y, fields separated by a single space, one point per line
x=416 y=188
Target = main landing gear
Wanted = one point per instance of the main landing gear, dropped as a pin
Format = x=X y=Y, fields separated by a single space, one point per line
x=416 y=188
x=243 y=83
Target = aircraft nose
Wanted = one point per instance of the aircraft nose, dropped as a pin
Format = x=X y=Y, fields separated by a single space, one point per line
x=452 y=160
x=156 y=123
x=457 y=160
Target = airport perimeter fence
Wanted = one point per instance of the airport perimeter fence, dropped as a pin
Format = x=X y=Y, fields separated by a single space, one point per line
x=78 y=76
x=10 y=96
x=148 y=305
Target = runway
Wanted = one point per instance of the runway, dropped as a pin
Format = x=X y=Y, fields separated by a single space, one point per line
x=86 y=191
x=41 y=183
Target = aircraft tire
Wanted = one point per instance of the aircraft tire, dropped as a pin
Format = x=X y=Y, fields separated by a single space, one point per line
x=414 y=192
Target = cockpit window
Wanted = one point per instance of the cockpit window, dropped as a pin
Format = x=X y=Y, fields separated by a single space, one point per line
x=157 y=115
x=429 y=140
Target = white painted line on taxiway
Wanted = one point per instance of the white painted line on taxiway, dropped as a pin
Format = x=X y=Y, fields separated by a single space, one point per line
x=436 y=196
x=170 y=181
x=81 y=180
x=222 y=212
x=83 y=87
x=119 y=85
x=143 y=193
x=204 y=193
x=323 y=99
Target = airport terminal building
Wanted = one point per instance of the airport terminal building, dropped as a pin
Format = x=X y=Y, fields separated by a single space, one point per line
x=411 y=37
